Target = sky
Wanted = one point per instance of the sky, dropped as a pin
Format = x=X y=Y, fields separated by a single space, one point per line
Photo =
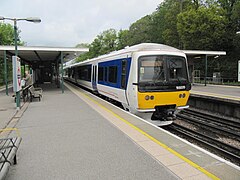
x=66 y=23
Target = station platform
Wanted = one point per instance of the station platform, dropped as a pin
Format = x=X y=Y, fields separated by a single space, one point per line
x=76 y=135
x=7 y=107
x=218 y=91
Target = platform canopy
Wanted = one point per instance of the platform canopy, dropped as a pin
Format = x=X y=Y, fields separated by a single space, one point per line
x=204 y=53
x=198 y=54
x=44 y=60
x=34 y=54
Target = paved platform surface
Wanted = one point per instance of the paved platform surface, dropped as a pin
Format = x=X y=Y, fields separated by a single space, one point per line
x=226 y=92
x=7 y=108
x=64 y=138
x=77 y=136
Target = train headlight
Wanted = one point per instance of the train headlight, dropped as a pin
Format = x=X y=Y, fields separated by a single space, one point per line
x=152 y=97
x=147 y=97
x=182 y=95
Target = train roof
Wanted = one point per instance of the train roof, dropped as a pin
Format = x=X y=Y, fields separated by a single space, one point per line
x=150 y=46
x=134 y=48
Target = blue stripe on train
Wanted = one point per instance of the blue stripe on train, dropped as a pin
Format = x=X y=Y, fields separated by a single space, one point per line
x=118 y=63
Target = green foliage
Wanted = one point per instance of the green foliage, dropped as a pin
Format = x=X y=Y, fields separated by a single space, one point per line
x=122 y=39
x=169 y=33
x=6 y=34
x=82 y=45
x=102 y=44
x=140 y=31
x=203 y=28
x=184 y=24
x=6 y=38
x=158 y=24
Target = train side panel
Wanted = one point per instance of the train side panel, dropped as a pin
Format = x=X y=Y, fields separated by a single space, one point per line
x=113 y=77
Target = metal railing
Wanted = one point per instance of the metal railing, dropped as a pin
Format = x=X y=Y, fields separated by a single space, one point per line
x=220 y=81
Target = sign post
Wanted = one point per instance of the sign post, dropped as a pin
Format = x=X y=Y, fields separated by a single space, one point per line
x=17 y=79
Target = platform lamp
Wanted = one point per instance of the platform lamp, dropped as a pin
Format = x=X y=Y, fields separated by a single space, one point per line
x=30 y=19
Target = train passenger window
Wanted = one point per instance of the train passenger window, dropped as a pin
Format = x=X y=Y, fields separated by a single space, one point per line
x=123 y=76
x=100 y=73
x=112 y=74
x=105 y=74
x=84 y=73
x=89 y=70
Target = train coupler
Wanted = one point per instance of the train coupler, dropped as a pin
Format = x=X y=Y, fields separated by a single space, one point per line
x=164 y=113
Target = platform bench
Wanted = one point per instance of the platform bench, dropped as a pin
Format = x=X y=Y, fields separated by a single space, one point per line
x=8 y=151
x=24 y=94
x=35 y=93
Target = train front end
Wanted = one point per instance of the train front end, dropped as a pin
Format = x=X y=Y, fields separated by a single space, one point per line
x=162 y=85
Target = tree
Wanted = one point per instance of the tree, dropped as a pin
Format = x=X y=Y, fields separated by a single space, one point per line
x=122 y=39
x=158 y=24
x=164 y=24
x=6 y=34
x=170 y=33
x=6 y=38
x=203 y=28
x=184 y=24
x=139 y=32
x=102 y=44
x=109 y=41
x=82 y=45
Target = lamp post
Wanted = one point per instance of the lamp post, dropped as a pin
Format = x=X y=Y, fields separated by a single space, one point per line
x=30 y=19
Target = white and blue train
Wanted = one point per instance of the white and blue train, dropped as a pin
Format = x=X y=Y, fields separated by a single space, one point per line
x=149 y=80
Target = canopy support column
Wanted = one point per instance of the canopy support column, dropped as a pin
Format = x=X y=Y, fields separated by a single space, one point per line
x=24 y=69
x=5 y=71
x=205 y=78
x=62 y=86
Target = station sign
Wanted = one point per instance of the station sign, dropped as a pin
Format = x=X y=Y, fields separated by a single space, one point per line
x=239 y=71
x=16 y=63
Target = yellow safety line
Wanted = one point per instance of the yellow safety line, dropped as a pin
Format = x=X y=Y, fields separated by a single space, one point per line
x=222 y=96
x=155 y=140
x=11 y=129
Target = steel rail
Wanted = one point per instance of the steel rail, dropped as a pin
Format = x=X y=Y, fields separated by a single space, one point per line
x=218 y=128
x=215 y=118
x=226 y=150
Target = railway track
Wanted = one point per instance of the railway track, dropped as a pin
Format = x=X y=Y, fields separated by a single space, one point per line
x=216 y=124
x=208 y=131
x=230 y=122
x=225 y=150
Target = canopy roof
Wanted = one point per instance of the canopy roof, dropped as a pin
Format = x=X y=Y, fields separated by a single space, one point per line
x=32 y=54
x=200 y=52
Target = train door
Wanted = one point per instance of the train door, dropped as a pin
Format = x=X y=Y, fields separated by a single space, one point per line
x=124 y=79
x=94 y=77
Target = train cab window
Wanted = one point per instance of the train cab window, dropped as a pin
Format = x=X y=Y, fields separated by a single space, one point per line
x=151 y=69
x=176 y=69
x=112 y=74
x=161 y=72
x=100 y=73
